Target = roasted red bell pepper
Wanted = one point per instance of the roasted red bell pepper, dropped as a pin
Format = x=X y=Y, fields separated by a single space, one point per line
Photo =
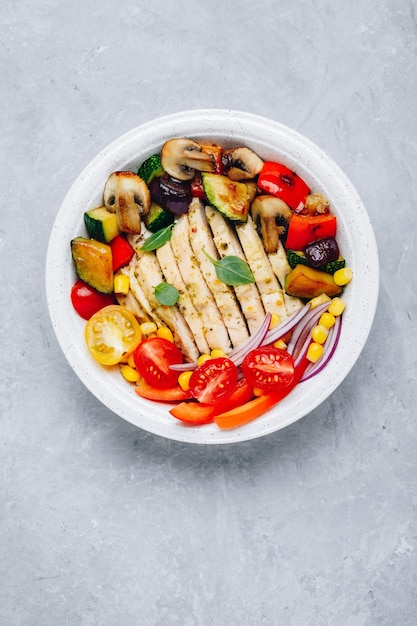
x=278 y=180
x=198 y=413
x=247 y=412
x=122 y=252
x=172 y=394
x=216 y=152
x=304 y=229
x=197 y=189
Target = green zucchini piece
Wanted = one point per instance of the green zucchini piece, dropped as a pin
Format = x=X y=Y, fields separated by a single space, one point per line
x=93 y=263
x=333 y=266
x=230 y=197
x=101 y=224
x=297 y=257
x=150 y=168
x=157 y=218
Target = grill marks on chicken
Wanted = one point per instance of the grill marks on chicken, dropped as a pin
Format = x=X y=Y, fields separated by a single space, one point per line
x=215 y=330
x=208 y=314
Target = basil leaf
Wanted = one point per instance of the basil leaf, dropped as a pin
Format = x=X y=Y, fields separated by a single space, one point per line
x=158 y=239
x=232 y=270
x=166 y=294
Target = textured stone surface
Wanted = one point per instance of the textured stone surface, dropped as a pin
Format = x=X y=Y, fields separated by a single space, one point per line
x=103 y=524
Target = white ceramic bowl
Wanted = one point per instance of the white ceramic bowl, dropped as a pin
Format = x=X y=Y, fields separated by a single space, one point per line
x=272 y=141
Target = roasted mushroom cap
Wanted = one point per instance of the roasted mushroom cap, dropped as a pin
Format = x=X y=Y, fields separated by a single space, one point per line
x=242 y=163
x=180 y=157
x=127 y=195
x=271 y=216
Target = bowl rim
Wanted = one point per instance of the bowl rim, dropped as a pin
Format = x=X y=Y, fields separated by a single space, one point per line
x=272 y=138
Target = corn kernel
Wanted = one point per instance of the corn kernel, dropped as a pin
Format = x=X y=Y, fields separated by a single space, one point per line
x=130 y=374
x=319 y=333
x=217 y=353
x=343 y=276
x=165 y=333
x=148 y=327
x=314 y=352
x=203 y=358
x=336 y=307
x=184 y=380
x=131 y=361
x=327 y=320
x=280 y=344
x=121 y=284
x=275 y=321
x=323 y=297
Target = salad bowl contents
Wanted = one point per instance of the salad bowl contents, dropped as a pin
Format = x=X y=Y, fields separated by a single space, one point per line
x=212 y=275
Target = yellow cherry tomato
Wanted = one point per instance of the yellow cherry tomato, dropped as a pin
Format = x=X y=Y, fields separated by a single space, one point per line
x=112 y=334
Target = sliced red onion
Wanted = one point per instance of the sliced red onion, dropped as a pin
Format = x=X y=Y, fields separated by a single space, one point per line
x=238 y=354
x=288 y=324
x=329 y=349
x=183 y=367
x=303 y=329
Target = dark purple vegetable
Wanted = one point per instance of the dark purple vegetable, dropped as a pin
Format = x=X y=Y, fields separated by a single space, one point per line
x=323 y=251
x=173 y=195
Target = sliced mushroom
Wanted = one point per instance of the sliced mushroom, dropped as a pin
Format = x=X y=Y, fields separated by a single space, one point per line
x=180 y=157
x=271 y=216
x=242 y=163
x=127 y=195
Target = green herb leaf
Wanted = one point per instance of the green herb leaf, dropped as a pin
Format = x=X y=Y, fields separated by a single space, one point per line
x=232 y=270
x=158 y=239
x=166 y=294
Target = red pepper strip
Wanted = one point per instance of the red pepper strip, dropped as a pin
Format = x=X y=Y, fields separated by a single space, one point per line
x=278 y=180
x=197 y=189
x=198 y=413
x=173 y=394
x=254 y=408
x=304 y=229
x=122 y=252
x=216 y=152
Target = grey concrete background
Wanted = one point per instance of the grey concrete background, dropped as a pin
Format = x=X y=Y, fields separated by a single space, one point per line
x=102 y=524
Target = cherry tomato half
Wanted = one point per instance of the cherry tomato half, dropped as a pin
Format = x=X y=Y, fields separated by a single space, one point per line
x=214 y=380
x=87 y=301
x=268 y=368
x=152 y=359
x=112 y=333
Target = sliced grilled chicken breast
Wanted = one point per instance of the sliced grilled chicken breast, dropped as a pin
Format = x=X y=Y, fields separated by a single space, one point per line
x=227 y=243
x=215 y=330
x=281 y=268
x=271 y=293
x=148 y=274
x=170 y=269
x=202 y=241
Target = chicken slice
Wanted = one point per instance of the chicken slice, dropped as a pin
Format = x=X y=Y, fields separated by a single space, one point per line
x=170 y=269
x=202 y=241
x=227 y=243
x=139 y=295
x=281 y=268
x=131 y=302
x=215 y=330
x=148 y=275
x=271 y=293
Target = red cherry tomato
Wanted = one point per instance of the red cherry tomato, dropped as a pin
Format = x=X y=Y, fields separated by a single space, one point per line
x=214 y=380
x=268 y=368
x=152 y=359
x=87 y=301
